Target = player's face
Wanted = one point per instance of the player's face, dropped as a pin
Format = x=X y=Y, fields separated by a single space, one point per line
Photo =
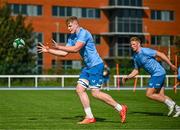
x=135 y=46
x=72 y=27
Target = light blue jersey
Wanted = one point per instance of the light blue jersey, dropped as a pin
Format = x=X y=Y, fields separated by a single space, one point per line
x=88 y=53
x=145 y=58
x=179 y=73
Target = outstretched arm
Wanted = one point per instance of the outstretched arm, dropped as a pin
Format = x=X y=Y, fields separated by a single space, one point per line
x=43 y=48
x=166 y=59
x=71 y=49
x=131 y=75
x=176 y=84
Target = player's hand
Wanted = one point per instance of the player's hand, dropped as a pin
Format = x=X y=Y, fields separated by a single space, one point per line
x=41 y=48
x=175 y=88
x=54 y=43
x=124 y=79
x=173 y=67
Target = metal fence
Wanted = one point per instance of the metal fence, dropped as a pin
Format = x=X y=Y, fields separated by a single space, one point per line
x=64 y=81
x=143 y=79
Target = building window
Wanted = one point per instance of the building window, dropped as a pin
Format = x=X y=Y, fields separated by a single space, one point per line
x=54 y=63
x=39 y=10
x=123 y=48
x=60 y=37
x=162 y=15
x=126 y=2
x=69 y=64
x=97 y=39
x=76 y=65
x=162 y=40
x=90 y=13
x=68 y=11
x=38 y=37
x=29 y=10
x=16 y=8
x=54 y=11
x=24 y=9
x=61 y=11
x=125 y=20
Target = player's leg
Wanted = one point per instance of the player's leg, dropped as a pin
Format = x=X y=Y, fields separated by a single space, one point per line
x=151 y=94
x=175 y=86
x=95 y=82
x=155 y=91
x=177 y=108
x=104 y=97
x=177 y=111
x=83 y=98
x=83 y=83
x=122 y=109
x=89 y=118
x=168 y=101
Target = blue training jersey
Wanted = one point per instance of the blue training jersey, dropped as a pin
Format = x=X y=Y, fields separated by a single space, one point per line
x=88 y=52
x=145 y=58
x=179 y=73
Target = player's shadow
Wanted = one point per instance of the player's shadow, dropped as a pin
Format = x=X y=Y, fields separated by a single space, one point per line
x=80 y=118
x=148 y=113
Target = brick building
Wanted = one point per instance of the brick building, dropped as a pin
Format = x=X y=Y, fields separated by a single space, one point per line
x=112 y=23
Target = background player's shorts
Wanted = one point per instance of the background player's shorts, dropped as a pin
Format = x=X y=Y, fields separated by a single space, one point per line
x=178 y=74
x=178 y=77
x=105 y=79
x=93 y=75
x=156 y=81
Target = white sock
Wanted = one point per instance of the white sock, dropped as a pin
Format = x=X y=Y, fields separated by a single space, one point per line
x=169 y=102
x=88 y=112
x=118 y=107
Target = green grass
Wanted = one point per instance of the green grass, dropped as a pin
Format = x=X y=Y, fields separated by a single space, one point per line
x=62 y=110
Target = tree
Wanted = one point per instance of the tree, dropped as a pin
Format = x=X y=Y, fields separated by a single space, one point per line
x=14 y=60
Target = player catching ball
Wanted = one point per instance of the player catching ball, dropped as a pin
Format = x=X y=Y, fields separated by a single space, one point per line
x=145 y=58
x=91 y=75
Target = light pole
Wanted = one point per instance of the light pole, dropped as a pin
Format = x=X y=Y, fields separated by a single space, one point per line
x=57 y=40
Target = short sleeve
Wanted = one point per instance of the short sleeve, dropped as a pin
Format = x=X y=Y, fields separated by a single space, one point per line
x=68 y=42
x=82 y=37
x=149 y=52
x=135 y=64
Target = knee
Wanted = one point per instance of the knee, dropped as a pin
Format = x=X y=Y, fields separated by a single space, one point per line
x=95 y=94
x=79 y=89
x=148 y=95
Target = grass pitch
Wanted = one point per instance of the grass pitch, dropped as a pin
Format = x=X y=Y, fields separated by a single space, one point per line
x=62 y=110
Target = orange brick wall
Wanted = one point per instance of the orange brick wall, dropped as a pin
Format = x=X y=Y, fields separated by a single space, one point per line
x=47 y=24
x=159 y=27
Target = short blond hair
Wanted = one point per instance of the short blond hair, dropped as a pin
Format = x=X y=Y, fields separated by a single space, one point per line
x=71 y=19
x=135 y=39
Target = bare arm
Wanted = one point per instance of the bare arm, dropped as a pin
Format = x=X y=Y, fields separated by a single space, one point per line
x=131 y=75
x=42 y=48
x=166 y=59
x=71 y=49
x=177 y=84
x=57 y=52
